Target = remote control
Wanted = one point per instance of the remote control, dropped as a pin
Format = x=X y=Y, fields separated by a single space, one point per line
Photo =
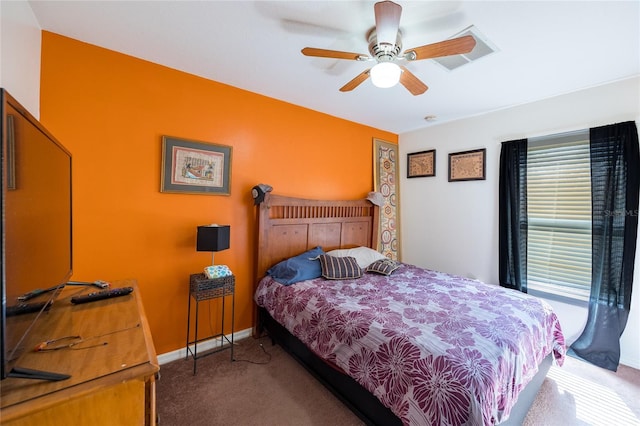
x=26 y=308
x=99 y=295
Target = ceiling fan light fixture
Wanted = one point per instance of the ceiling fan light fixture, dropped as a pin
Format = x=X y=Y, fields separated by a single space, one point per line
x=385 y=74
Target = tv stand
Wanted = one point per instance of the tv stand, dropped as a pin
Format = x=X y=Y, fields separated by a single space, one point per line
x=110 y=381
x=29 y=373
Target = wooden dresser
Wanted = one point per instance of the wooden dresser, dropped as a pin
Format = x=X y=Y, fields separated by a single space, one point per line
x=113 y=371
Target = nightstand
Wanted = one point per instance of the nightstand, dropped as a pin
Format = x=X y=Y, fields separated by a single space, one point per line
x=202 y=288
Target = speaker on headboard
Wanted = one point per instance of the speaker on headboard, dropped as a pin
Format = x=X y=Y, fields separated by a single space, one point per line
x=258 y=192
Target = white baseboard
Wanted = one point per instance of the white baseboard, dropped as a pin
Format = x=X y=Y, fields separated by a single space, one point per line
x=203 y=346
x=633 y=363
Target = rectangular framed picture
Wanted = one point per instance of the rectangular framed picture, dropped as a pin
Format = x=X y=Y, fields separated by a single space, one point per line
x=467 y=165
x=421 y=164
x=195 y=167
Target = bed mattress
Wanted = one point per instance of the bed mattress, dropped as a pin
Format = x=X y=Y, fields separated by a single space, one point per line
x=433 y=347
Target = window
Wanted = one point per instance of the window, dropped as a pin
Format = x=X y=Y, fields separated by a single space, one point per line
x=559 y=215
x=544 y=233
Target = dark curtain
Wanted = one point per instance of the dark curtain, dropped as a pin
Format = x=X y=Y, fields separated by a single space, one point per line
x=512 y=220
x=615 y=166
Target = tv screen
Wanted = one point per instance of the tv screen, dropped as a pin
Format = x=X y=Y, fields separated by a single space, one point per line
x=36 y=232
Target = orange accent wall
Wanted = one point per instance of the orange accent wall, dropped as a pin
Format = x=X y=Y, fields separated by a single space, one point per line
x=111 y=111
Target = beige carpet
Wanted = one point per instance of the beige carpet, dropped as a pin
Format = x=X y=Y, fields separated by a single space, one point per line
x=579 y=393
x=278 y=393
x=282 y=393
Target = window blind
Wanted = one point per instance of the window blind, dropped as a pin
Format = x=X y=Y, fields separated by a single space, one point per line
x=559 y=214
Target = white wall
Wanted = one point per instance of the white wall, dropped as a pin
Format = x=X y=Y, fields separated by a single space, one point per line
x=20 y=42
x=453 y=226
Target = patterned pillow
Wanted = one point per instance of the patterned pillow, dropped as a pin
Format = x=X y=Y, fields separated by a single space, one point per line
x=339 y=268
x=383 y=266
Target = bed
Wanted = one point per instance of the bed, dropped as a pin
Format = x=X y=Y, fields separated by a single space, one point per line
x=412 y=347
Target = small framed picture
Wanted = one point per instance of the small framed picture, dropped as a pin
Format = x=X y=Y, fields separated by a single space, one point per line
x=467 y=165
x=421 y=164
x=195 y=167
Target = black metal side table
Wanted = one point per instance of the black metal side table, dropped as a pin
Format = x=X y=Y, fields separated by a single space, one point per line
x=203 y=288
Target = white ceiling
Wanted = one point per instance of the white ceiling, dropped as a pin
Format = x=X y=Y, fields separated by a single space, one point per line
x=544 y=49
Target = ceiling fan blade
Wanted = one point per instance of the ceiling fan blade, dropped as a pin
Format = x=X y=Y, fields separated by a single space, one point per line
x=454 y=46
x=412 y=83
x=387 y=21
x=355 y=82
x=337 y=54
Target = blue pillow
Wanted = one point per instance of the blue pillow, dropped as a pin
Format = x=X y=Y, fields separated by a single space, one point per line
x=304 y=266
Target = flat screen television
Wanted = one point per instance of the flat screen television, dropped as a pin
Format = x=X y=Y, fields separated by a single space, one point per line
x=36 y=234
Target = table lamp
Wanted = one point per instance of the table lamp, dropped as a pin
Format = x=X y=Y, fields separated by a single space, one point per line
x=213 y=238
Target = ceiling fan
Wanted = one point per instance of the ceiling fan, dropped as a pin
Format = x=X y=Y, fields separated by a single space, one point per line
x=385 y=47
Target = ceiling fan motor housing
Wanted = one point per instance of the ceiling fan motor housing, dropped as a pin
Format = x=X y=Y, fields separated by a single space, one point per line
x=384 y=52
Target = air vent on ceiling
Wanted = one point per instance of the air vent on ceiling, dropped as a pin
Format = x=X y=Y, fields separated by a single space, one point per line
x=483 y=48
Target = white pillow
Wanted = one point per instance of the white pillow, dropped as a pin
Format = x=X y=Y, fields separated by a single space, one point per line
x=364 y=256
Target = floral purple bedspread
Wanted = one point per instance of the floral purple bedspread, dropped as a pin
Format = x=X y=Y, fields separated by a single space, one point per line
x=436 y=349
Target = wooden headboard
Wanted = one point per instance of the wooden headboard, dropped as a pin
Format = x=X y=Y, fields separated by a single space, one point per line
x=288 y=226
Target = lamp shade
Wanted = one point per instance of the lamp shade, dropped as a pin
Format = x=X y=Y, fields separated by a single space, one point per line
x=213 y=237
x=385 y=74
